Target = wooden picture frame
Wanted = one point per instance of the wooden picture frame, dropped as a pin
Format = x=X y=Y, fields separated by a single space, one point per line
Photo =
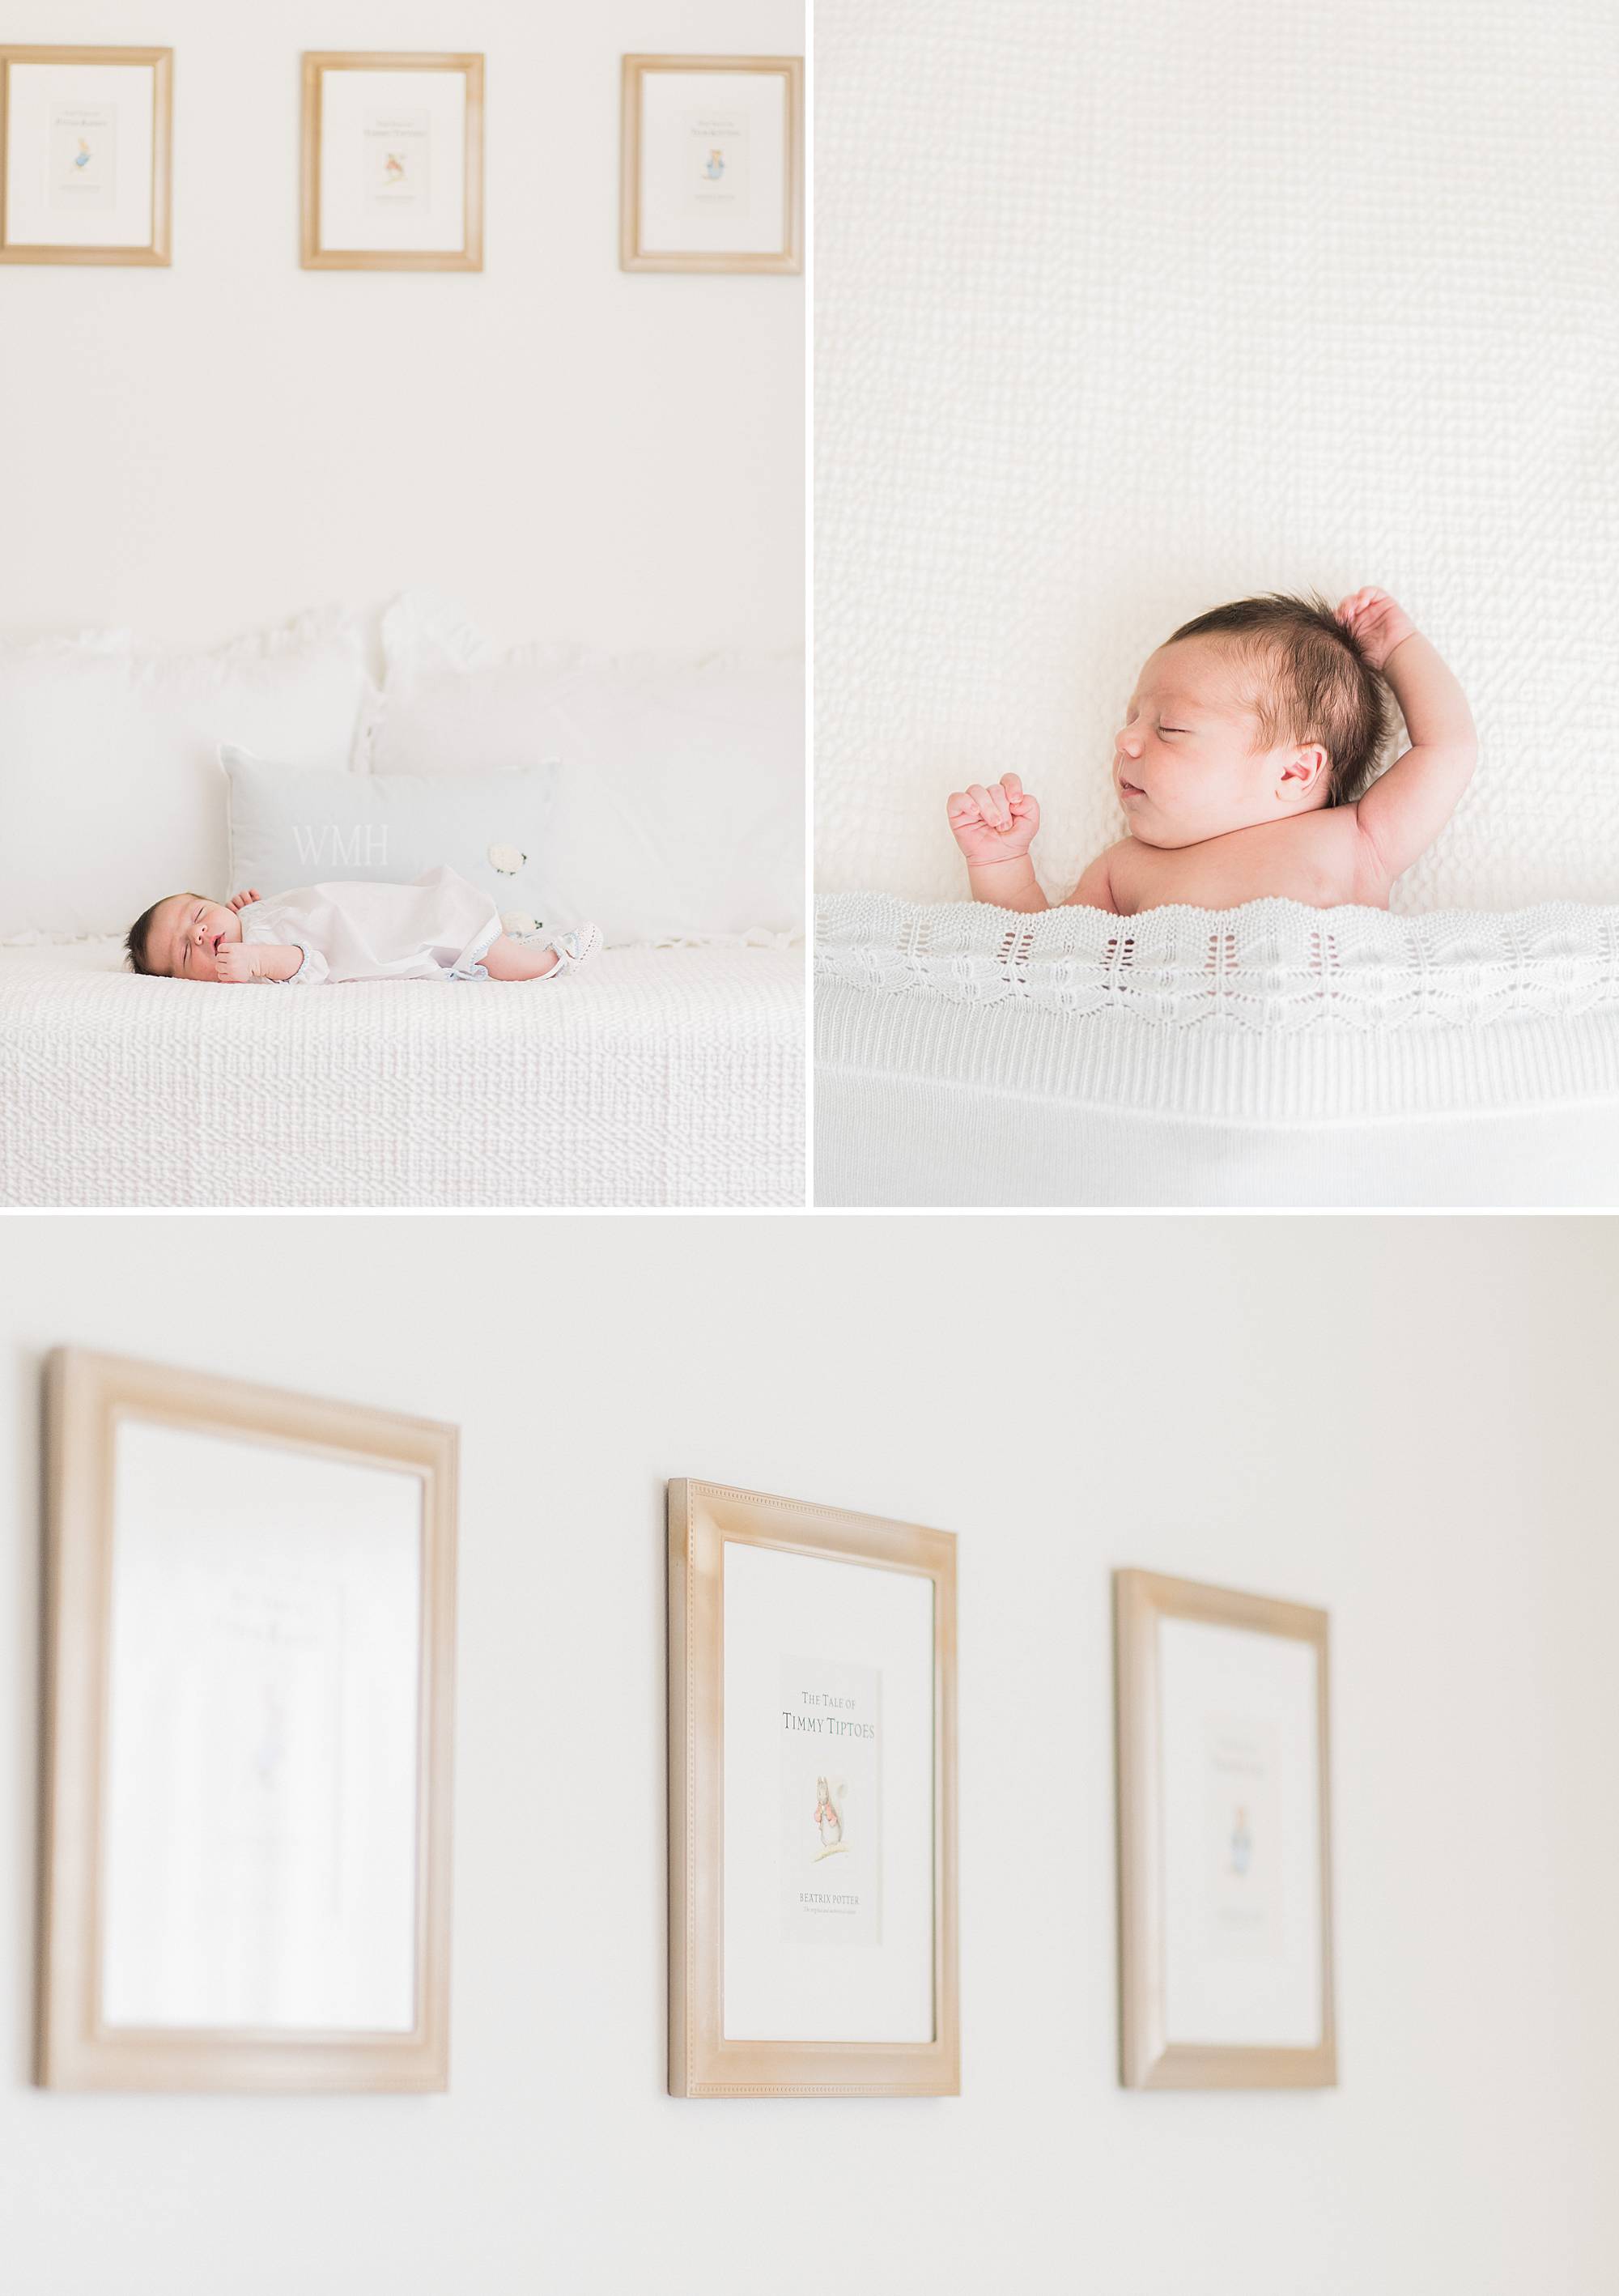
x=156 y=179
x=319 y=142
x=641 y=249
x=901 y=1608
x=1265 y=1736
x=191 y=1848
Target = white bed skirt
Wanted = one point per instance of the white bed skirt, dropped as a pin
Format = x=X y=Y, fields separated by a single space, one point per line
x=661 y=1076
x=1273 y=1055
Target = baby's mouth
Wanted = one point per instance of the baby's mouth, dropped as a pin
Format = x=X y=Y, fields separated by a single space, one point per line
x=1130 y=787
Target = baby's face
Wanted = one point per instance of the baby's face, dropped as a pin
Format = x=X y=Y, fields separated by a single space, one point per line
x=186 y=935
x=1184 y=761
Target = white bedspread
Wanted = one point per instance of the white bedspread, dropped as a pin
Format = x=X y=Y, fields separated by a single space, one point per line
x=1268 y=1055
x=667 y=1076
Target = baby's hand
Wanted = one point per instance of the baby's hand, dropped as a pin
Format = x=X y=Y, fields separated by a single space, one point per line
x=1377 y=623
x=242 y=900
x=236 y=962
x=997 y=823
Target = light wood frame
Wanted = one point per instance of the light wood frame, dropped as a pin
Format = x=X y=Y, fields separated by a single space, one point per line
x=702 y=1519
x=162 y=60
x=790 y=256
x=1149 y=2058
x=88 y=1397
x=469 y=256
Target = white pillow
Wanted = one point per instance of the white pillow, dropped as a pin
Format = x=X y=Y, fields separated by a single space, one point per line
x=676 y=786
x=110 y=795
x=291 y=827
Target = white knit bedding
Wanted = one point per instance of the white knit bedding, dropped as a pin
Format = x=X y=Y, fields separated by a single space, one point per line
x=663 y=1077
x=1268 y=1055
x=1123 y=311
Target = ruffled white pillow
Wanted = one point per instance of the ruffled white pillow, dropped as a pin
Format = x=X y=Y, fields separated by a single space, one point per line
x=676 y=786
x=110 y=792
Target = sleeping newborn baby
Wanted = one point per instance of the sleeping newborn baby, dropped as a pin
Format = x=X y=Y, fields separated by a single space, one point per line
x=441 y=928
x=1244 y=763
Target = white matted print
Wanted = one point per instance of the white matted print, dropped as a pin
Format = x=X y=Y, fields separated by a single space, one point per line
x=712 y=163
x=829 y=1762
x=812 y=1801
x=1242 y=1911
x=85 y=137
x=250 y=1687
x=262 y=1734
x=393 y=162
x=1223 y=1824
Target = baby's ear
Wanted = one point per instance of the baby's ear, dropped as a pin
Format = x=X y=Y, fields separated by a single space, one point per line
x=1306 y=774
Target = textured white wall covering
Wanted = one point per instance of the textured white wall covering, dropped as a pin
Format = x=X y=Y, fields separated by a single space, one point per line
x=1128 y=307
x=1408 y=1422
x=569 y=450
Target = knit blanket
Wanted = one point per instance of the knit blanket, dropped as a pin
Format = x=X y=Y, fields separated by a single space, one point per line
x=660 y=1077
x=965 y=1054
x=1269 y=965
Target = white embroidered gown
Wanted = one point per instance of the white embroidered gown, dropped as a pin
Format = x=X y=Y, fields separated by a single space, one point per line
x=438 y=929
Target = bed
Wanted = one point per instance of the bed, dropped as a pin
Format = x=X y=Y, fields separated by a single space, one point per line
x=670 y=1074
x=1272 y=1055
x=666 y=1077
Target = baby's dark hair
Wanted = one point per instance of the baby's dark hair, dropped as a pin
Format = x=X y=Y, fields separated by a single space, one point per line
x=138 y=937
x=1315 y=682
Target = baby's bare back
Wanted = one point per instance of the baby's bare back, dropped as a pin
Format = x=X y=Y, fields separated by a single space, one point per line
x=1320 y=858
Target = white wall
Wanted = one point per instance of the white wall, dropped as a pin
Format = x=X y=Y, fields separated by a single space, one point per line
x=1128 y=307
x=571 y=450
x=1407 y=1422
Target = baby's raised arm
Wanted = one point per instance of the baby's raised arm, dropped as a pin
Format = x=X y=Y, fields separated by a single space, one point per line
x=1405 y=808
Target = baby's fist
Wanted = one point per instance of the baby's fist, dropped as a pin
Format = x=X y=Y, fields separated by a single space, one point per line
x=997 y=823
x=1375 y=623
x=245 y=900
x=235 y=962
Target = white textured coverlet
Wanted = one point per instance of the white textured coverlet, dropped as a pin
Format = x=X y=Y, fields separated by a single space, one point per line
x=663 y=1077
x=1124 y=310
x=1272 y=1054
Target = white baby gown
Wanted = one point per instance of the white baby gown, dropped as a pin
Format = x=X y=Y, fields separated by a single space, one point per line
x=438 y=929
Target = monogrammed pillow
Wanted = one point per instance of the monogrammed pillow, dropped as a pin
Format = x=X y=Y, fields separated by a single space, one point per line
x=292 y=828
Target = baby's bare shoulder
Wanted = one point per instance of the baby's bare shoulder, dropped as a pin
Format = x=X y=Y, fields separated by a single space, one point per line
x=1128 y=860
x=1326 y=858
x=1369 y=881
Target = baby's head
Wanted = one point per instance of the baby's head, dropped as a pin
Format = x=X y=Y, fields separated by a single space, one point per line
x=181 y=935
x=1252 y=713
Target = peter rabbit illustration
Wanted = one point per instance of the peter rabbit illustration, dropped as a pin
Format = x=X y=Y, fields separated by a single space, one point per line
x=826 y=1816
x=1242 y=1843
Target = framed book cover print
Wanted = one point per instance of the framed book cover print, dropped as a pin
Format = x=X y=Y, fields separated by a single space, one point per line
x=85 y=144
x=393 y=162
x=812 y=1801
x=249 y=1676
x=1225 y=1895
x=712 y=168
